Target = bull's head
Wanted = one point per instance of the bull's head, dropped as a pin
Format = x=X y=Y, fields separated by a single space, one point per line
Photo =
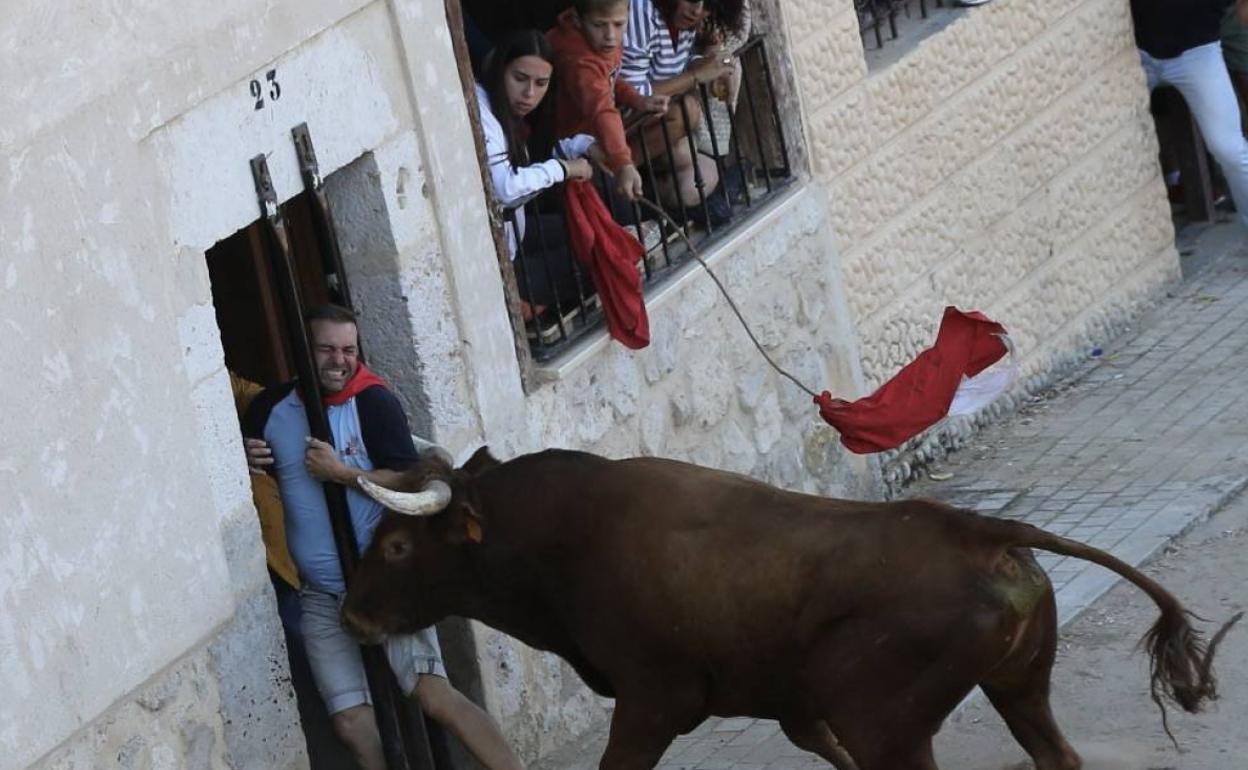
x=418 y=560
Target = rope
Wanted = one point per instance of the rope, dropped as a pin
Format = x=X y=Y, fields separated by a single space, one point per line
x=696 y=255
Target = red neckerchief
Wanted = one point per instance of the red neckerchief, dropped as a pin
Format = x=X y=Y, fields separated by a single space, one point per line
x=363 y=378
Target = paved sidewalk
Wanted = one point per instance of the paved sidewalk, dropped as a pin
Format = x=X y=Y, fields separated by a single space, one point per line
x=1148 y=438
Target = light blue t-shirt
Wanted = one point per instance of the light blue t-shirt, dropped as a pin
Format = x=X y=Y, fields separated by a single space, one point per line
x=309 y=534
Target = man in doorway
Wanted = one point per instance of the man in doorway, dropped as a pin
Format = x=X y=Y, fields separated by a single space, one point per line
x=1180 y=46
x=371 y=439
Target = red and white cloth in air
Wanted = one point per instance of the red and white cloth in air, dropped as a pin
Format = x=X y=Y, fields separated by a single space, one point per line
x=956 y=375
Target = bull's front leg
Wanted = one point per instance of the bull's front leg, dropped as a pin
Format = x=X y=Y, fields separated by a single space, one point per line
x=642 y=728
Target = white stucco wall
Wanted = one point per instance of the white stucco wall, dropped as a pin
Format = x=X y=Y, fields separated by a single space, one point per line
x=133 y=559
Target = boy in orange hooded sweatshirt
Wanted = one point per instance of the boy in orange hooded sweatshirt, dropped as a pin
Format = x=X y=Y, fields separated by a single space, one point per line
x=587 y=43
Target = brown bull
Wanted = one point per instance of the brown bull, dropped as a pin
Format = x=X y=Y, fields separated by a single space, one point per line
x=685 y=592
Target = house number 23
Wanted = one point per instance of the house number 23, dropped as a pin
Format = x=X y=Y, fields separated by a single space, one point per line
x=258 y=89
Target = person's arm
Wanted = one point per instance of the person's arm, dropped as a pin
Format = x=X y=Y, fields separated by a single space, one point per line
x=635 y=74
x=703 y=70
x=593 y=99
x=323 y=464
x=1241 y=11
x=255 y=417
x=387 y=439
x=629 y=96
x=513 y=186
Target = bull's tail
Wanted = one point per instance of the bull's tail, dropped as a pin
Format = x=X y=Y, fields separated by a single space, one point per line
x=1181 y=661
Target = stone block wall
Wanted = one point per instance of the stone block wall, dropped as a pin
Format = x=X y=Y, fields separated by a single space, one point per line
x=1007 y=163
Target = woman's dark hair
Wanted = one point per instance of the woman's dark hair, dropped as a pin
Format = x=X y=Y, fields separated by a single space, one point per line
x=724 y=17
x=532 y=136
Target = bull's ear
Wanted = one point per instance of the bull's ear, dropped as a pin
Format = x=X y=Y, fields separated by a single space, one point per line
x=480 y=461
x=464 y=525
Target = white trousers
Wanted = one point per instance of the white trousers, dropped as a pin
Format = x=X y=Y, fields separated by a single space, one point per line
x=1200 y=74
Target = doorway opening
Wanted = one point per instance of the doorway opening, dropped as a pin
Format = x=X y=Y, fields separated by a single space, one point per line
x=259 y=353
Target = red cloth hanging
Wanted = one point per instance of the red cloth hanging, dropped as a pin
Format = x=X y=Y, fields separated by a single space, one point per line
x=919 y=395
x=610 y=254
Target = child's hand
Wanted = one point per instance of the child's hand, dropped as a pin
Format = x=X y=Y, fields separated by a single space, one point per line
x=656 y=104
x=628 y=183
x=578 y=170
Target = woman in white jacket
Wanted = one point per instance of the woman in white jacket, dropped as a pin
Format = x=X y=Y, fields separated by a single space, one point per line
x=525 y=160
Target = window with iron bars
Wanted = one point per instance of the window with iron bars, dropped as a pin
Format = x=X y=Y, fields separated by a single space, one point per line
x=745 y=140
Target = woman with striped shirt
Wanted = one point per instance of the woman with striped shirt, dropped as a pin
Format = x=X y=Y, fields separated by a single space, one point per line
x=659 y=60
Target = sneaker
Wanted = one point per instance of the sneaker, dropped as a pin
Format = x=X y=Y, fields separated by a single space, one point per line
x=971 y=3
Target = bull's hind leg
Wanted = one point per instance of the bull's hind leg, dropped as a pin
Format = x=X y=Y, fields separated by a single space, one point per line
x=1019 y=691
x=886 y=684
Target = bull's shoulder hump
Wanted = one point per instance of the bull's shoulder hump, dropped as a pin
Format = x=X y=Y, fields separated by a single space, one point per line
x=557 y=456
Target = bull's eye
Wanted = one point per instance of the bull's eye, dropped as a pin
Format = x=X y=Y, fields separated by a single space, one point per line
x=397 y=549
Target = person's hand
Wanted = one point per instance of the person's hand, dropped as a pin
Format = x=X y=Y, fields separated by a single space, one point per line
x=322 y=462
x=628 y=183
x=721 y=87
x=259 y=456
x=711 y=67
x=656 y=104
x=596 y=155
x=578 y=170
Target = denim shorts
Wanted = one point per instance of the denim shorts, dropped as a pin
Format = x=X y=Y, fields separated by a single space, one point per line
x=334 y=655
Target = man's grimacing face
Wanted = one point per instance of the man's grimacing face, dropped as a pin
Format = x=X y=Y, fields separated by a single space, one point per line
x=336 y=349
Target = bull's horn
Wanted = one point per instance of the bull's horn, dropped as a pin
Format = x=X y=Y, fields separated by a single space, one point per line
x=430 y=500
